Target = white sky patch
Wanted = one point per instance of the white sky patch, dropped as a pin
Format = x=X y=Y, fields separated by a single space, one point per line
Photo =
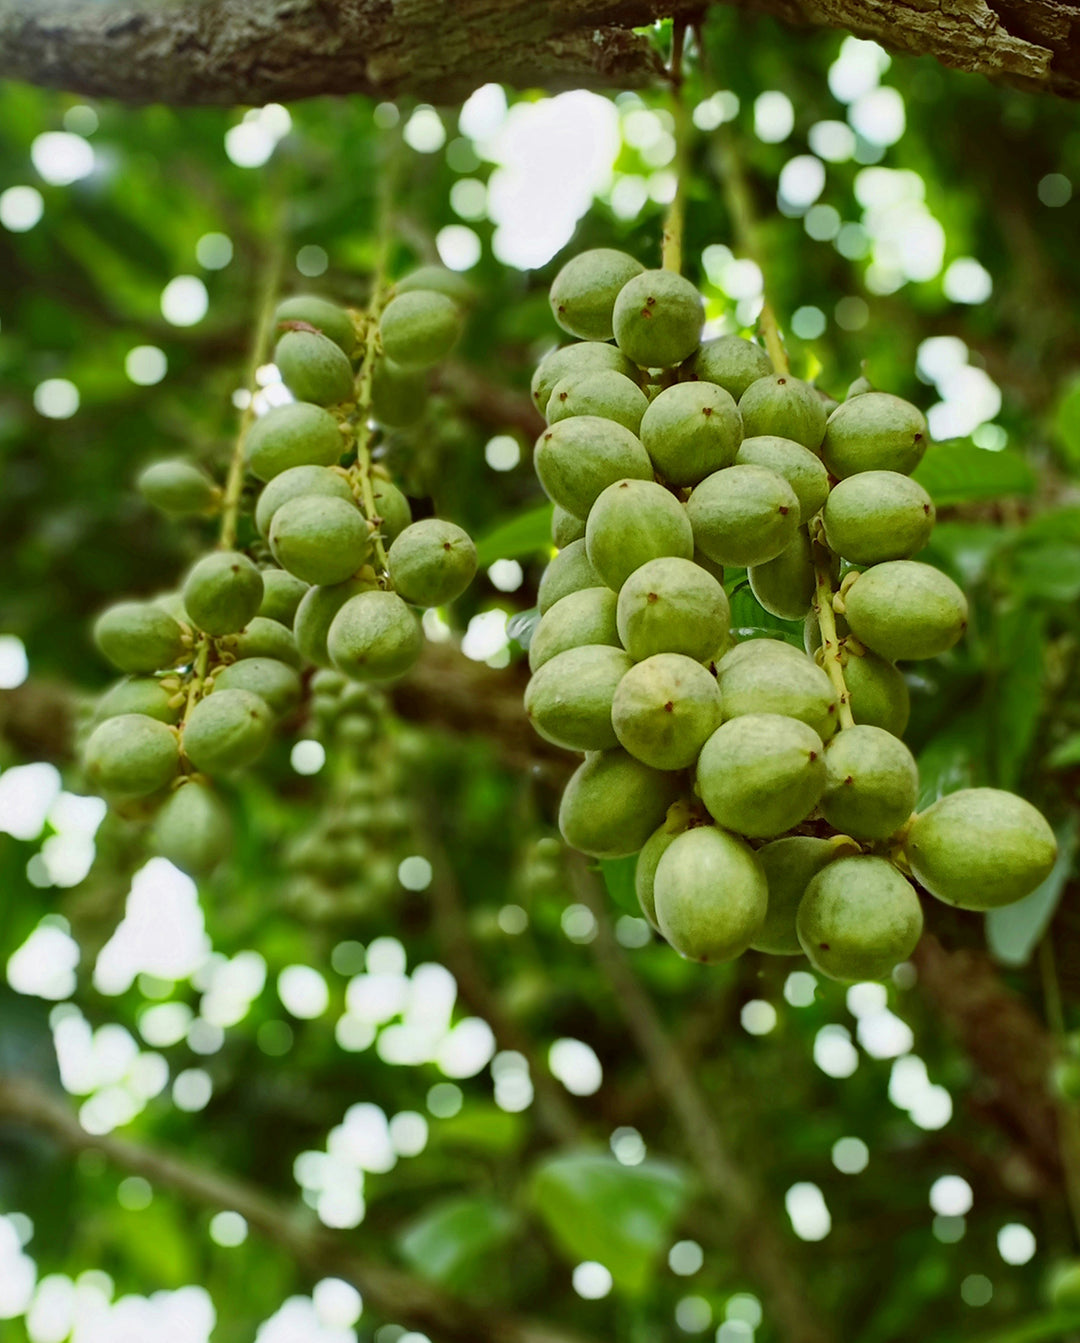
x=458 y=247
x=834 y=1053
x=967 y=281
x=802 y=180
x=424 y=130
x=162 y=932
x=833 y=141
x=27 y=793
x=502 y=453
x=910 y=1089
x=483 y=113
x=146 y=365
x=485 y=636
x=592 y=1281
x=251 y=143
x=303 y=991
x=1016 y=1243
x=951 y=1196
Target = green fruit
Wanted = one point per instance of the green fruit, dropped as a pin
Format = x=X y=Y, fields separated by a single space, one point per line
x=297 y=434
x=652 y=851
x=569 y=571
x=980 y=848
x=632 y=522
x=226 y=730
x=397 y=394
x=332 y=321
x=139 y=695
x=732 y=363
x=583 y=293
x=784 y=585
x=392 y=508
x=438 y=279
x=760 y=646
x=565 y=527
x=613 y=803
x=281 y=595
x=788 y=864
x=672 y=605
x=178 y=488
x=710 y=895
x=265 y=638
x=374 y=637
x=577 y=459
x=611 y=395
x=783 y=407
x=275 y=682
x=222 y=592
x=871 y=783
x=874 y=432
x=691 y=430
x=139 y=637
x=579 y=618
x=587 y=356
x=194 y=830
x=432 y=562
x=800 y=468
x=657 y=319
x=321 y=540
x=778 y=680
x=859 y=387
x=295 y=483
x=877 y=692
x=419 y=327
x=131 y=755
x=761 y=774
x=665 y=709
x=743 y=515
x=878 y=515
x=859 y=919
x=906 y=610
x=568 y=700
x=314 y=368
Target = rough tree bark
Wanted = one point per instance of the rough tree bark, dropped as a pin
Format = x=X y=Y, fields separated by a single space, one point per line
x=257 y=51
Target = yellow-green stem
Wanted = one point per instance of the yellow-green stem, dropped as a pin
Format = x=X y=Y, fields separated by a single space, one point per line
x=1067 y=1114
x=672 y=243
x=830 y=641
x=362 y=475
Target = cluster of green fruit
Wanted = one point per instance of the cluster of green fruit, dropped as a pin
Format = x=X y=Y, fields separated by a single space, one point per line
x=211 y=669
x=765 y=786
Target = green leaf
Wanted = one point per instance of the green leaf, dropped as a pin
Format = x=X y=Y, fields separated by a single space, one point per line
x=1017 y=693
x=954 y=758
x=526 y=534
x=1041 y=1329
x=1066 y=754
x=955 y=473
x=618 y=876
x=482 y=1126
x=750 y=620
x=452 y=1243
x=1067 y=420
x=619 y=1216
x=1013 y=932
x=1050 y=570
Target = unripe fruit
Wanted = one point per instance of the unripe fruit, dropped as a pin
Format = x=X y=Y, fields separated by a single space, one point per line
x=587 y=356
x=282 y=592
x=273 y=681
x=905 y=610
x=295 y=483
x=431 y=562
x=763 y=646
x=321 y=540
x=632 y=522
x=419 y=327
x=569 y=571
x=613 y=803
x=583 y=293
x=800 y=468
x=178 y=488
x=392 y=508
x=222 y=592
x=397 y=394
x=732 y=363
x=665 y=709
x=139 y=695
x=778 y=681
x=314 y=368
x=611 y=395
x=789 y=865
x=333 y=321
x=296 y=434
x=139 y=637
x=710 y=895
x=1064 y=1286
x=565 y=527
x=784 y=585
x=316 y=611
x=579 y=618
x=264 y=638
x=874 y=432
x=672 y=606
x=859 y=919
x=743 y=515
x=871 y=783
x=691 y=430
x=131 y=755
x=877 y=691
x=783 y=407
x=980 y=848
x=437 y=279
x=568 y=700
x=226 y=731
x=652 y=851
x=761 y=774
x=374 y=637
x=658 y=318
x=878 y=515
x=193 y=830
x=577 y=459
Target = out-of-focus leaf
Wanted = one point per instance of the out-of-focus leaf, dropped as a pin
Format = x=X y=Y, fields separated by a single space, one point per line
x=1065 y=754
x=1067 y=420
x=1056 y=1326
x=481 y=1126
x=954 y=758
x=527 y=534
x=1050 y=570
x=956 y=473
x=452 y=1242
x=1013 y=932
x=1018 y=693
x=618 y=876
x=750 y=620
x=966 y=549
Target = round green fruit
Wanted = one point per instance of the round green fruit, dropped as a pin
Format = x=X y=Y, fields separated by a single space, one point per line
x=419 y=328
x=314 y=368
x=193 y=829
x=611 y=395
x=138 y=695
x=691 y=430
x=905 y=610
x=877 y=692
x=784 y=585
x=565 y=527
x=613 y=803
x=871 y=783
x=275 y=682
x=732 y=363
x=227 y=731
x=665 y=709
x=652 y=851
x=577 y=459
x=579 y=618
x=321 y=540
x=431 y=562
x=131 y=756
x=789 y=865
x=392 y=509
x=438 y=279
x=583 y=293
x=397 y=394
x=334 y=322
x=658 y=318
x=802 y=470
x=710 y=895
x=859 y=919
x=570 y=571
x=1064 y=1286
x=297 y=434
x=876 y=516
x=178 y=488
x=743 y=515
x=672 y=605
x=781 y=406
x=282 y=593
x=568 y=700
x=139 y=637
x=222 y=592
x=874 y=432
x=775 y=678
x=374 y=637
x=761 y=774
x=632 y=522
x=264 y=638
x=295 y=483
x=587 y=356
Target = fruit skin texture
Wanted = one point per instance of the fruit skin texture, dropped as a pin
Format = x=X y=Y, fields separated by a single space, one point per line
x=392 y=508
x=613 y=803
x=743 y=515
x=565 y=527
x=783 y=407
x=282 y=593
x=732 y=363
x=333 y=321
x=314 y=615
x=586 y=356
x=297 y=434
x=419 y=327
x=672 y=605
x=784 y=585
x=263 y=638
x=871 y=783
x=690 y=430
x=397 y=394
x=568 y=701
x=314 y=368
x=437 y=279
x=131 y=755
x=577 y=459
x=658 y=318
x=275 y=682
x=632 y=522
x=226 y=731
x=798 y=465
x=652 y=851
x=320 y=540
x=431 y=562
x=193 y=829
x=906 y=610
x=980 y=848
x=788 y=864
x=295 y=483
x=583 y=293
x=665 y=709
x=858 y=919
x=222 y=592
x=710 y=895
x=875 y=431
x=374 y=637
x=761 y=774
x=777 y=682
x=878 y=692
x=138 y=637
x=137 y=694
x=611 y=395
x=579 y=618
x=569 y=571
x=878 y=515
x=177 y=487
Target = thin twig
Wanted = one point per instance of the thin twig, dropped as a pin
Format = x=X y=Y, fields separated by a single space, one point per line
x=830 y=642
x=671 y=248
x=1068 y=1116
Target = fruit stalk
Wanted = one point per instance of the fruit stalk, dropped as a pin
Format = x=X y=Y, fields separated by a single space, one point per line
x=671 y=244
x=361 y=473
x=830 y=652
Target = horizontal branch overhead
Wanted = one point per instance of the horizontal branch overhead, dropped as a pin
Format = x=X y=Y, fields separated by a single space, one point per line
x=187 y=52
